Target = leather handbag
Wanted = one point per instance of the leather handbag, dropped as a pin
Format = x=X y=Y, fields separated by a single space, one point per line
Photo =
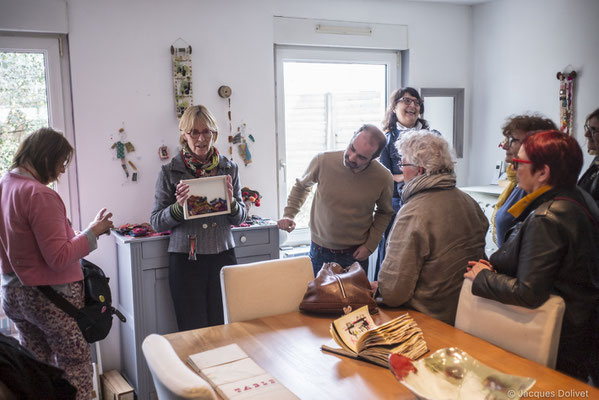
x=336 y=288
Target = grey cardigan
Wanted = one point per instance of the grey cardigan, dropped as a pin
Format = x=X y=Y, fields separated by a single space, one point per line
x=213 y=234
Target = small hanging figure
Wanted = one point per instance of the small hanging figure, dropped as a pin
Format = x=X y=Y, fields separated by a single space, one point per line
x=134 y=176
x=122 y=148
x=244 y=149
x=163 y=152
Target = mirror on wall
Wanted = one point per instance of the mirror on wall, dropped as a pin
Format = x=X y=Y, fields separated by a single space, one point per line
x=445 y=112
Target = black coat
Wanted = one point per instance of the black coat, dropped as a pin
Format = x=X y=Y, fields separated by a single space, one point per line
x=27 y=377
x=553 y=249
x=590 y=180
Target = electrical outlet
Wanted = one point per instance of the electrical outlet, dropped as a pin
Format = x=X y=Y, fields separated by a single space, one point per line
x=497 y=172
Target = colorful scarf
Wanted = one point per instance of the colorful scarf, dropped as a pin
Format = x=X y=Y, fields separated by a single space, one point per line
x=199 y=168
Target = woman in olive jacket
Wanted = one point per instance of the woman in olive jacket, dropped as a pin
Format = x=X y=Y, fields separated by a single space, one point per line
x=552 y=249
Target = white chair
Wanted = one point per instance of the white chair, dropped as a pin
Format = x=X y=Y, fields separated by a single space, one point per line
x=530 y=333
x=264 y=288
x=173 y=380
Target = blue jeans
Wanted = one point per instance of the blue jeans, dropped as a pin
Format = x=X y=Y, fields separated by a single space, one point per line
x=320 y=255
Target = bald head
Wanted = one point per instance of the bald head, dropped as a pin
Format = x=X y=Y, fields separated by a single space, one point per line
x=366 y=144
x=375 y=138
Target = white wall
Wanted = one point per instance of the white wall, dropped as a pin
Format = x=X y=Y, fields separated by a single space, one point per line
x=519 y=46
x=121 y=77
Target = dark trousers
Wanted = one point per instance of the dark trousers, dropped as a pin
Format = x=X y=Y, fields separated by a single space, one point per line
x=320 y=255
x=578 y=353
x=195 y=288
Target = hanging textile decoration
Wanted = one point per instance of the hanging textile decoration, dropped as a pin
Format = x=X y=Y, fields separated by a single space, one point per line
x=240 y=138
x=182 y=78
x=122 y=149
x=134 y=175
x=243 y=148
x=225 y=93
x=566 y=89
x=230 y=129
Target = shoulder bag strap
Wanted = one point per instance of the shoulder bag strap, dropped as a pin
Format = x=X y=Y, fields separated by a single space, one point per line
x=59 y=301
x=587 y=212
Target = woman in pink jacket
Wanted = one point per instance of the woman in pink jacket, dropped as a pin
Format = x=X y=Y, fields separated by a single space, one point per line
x=39 y=247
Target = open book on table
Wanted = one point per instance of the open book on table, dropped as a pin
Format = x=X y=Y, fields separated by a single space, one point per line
x=234 y=375
x=360 y=338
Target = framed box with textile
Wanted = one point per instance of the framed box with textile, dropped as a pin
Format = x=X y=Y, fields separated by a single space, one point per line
x=207 y=197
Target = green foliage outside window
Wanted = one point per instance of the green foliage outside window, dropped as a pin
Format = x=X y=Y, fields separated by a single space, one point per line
x=23 y=102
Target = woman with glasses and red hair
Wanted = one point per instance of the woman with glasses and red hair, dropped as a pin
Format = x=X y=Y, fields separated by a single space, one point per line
x=590 y=179
x=552 y=248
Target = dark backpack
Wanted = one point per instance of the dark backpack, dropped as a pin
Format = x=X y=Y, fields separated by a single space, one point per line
x=95 y=318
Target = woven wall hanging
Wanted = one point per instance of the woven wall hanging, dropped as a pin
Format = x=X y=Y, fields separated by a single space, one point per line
x=566 y=95
x=181 y=57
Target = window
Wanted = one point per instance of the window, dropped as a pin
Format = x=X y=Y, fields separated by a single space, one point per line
x=33 y=75
x=323 y=96
x=445 y=113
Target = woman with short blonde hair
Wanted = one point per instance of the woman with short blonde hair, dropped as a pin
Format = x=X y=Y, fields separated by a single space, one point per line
x=198 y=248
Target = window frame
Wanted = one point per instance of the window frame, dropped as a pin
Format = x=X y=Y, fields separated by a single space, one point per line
x=58 y=93
x=285 y=53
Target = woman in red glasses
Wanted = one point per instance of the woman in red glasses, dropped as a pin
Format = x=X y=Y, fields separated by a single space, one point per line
x=552 y=249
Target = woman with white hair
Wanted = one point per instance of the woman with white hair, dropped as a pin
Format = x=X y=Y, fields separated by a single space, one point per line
x=436 y=232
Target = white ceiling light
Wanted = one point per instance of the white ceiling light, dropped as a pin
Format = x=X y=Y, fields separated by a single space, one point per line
x=344 y=30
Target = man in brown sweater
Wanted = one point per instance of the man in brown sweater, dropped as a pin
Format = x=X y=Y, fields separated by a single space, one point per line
x=352 y=202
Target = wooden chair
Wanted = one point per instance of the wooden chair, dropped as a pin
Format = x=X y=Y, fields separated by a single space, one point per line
x=531 y=333
x=173 y=380
x=264 y=288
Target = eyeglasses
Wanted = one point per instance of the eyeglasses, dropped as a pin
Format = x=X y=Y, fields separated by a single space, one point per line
x=403 y=164
x=407 y=101
x=592 y=129
x=206 y=133
x=517 y=161
x=509 y=141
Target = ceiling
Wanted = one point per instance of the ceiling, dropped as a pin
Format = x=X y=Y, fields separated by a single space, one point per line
x=462 y=2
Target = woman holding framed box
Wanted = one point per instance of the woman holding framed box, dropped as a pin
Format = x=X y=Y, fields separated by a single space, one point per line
x=198 y=248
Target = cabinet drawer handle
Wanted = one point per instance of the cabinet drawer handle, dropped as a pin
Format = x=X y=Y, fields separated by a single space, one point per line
x=243 y=239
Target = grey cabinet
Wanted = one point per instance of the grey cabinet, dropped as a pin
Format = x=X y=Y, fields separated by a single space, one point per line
x=144 y=294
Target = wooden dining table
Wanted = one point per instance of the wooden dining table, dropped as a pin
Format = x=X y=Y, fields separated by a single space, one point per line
x=288 y=346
